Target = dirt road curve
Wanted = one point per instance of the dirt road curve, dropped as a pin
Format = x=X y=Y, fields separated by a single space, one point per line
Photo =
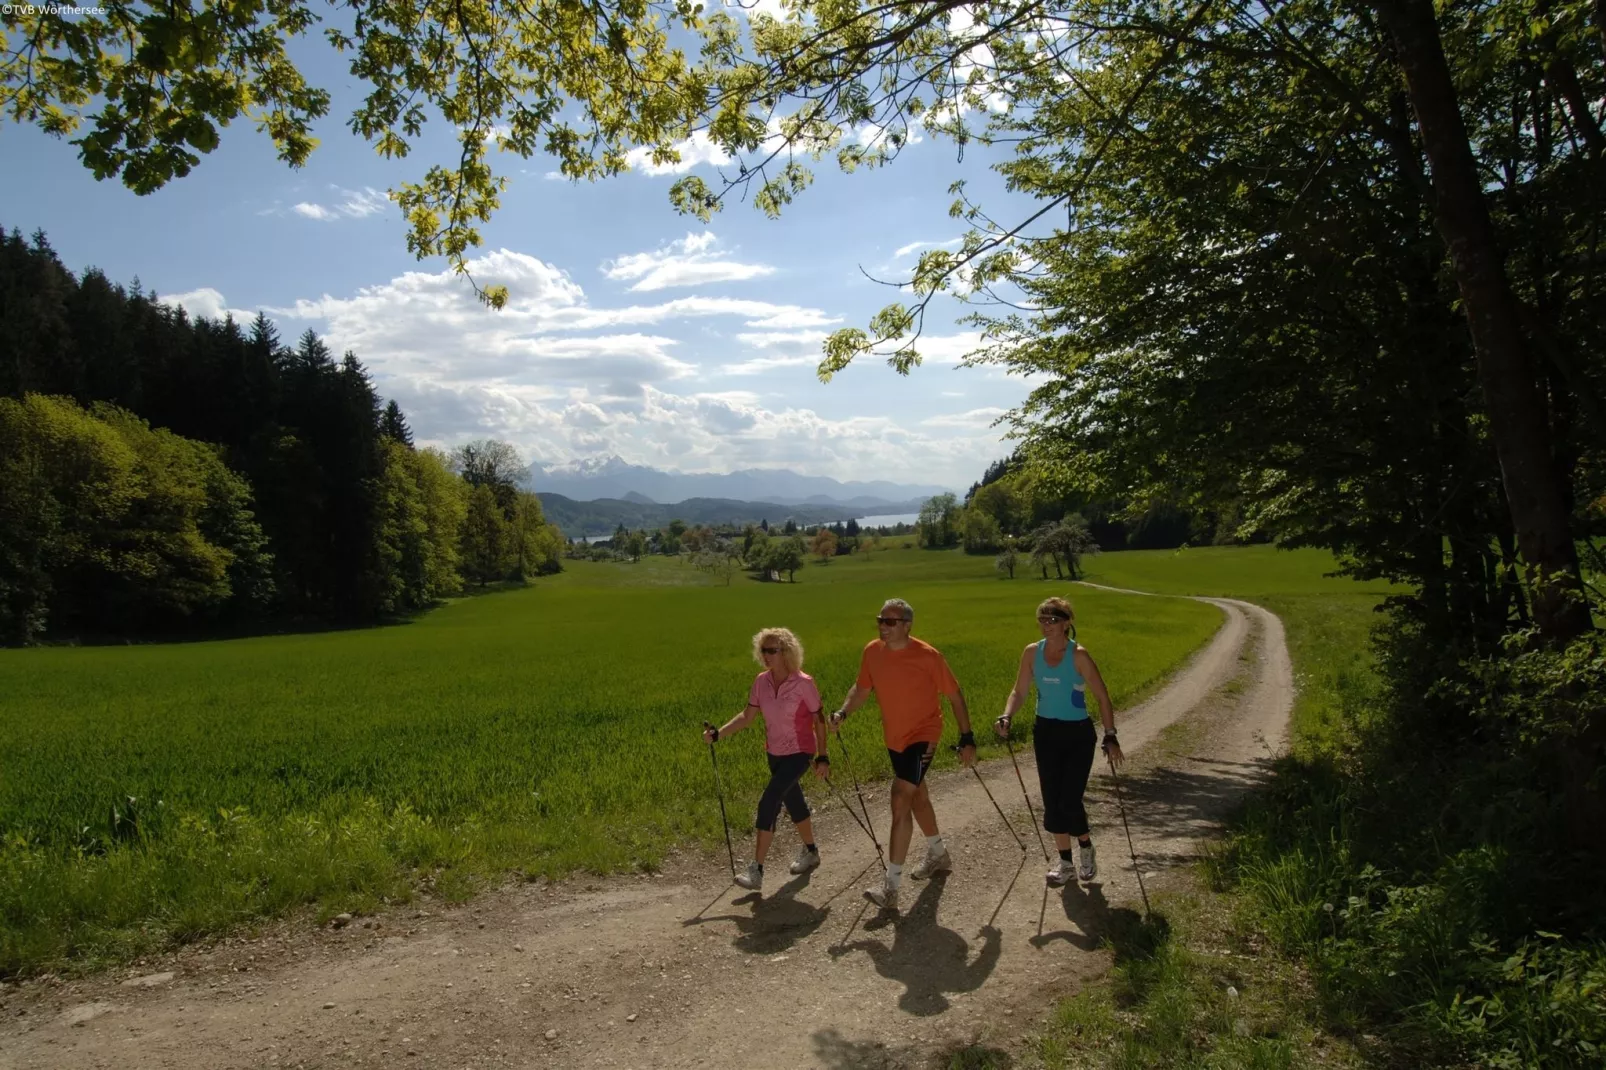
x=681 y=969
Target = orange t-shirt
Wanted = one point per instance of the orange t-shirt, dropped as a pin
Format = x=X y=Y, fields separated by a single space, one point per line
x=906 y=684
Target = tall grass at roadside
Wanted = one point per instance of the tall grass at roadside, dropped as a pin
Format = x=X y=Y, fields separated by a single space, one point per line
x=163 y=792
x=1407 y=885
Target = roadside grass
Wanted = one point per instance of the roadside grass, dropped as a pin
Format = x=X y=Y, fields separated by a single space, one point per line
x=160 y=793
x=1191 y=987
x=1400 y=895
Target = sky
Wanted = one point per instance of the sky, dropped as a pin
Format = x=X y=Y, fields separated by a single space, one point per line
x=630 y=330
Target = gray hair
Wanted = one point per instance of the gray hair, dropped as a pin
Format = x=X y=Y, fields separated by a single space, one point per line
x=907 y=610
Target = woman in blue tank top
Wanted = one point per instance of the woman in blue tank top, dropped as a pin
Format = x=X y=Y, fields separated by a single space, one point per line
x=1062 y=672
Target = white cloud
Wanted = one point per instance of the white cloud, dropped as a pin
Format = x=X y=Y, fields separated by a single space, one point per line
x=773 y=8
x=694 y=151
x=208 y=303
x=691 y=261
x=905 y=250
x=760 y=365
x=352 y=204
x=564 y=380
x=946 y=348
x=974 y=420
x=771 y=339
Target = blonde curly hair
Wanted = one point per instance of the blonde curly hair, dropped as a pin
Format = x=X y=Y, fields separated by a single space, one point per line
x=791 y=648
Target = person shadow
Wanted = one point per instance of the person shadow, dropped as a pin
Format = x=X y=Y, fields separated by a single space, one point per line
x=776 y=922
x=1085 y=908
x=928 y=959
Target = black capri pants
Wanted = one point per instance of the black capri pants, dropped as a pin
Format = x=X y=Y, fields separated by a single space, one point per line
x=785 y=772
x=1064 y=752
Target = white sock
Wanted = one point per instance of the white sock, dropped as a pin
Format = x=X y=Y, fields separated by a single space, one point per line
x=934 y=844
x=894 y=873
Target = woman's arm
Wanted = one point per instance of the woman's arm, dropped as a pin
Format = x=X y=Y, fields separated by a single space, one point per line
x=1090 y=672
x=1017 y=694
x=734 y=725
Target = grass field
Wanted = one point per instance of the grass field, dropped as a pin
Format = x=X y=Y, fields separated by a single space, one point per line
x=1327 y=619
x=539 y=730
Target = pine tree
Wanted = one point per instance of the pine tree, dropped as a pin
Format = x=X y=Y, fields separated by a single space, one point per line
x=393 y=425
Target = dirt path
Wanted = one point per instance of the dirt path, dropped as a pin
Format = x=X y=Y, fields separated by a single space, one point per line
x=682 y=969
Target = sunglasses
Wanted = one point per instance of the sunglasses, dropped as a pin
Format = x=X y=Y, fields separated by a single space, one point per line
x=890 y=622
x=769 y=650
x=1050 y=619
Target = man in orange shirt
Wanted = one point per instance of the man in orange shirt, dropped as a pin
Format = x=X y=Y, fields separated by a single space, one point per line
x=907 y=675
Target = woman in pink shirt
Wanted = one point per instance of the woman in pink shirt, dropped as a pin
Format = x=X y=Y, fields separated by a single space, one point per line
x=794 y=737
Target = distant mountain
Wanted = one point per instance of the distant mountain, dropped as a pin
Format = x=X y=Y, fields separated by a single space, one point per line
x=603 y=515
x=611 y=477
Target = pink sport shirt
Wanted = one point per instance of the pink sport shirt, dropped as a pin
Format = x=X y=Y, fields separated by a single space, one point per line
x=789 y=711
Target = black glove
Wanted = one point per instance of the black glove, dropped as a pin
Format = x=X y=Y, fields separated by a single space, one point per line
x=967 y=739
x=1109 y=741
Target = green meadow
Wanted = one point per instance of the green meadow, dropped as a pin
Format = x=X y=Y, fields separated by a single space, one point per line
x=160 y=793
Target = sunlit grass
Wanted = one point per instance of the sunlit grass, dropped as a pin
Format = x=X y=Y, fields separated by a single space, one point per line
x=540 y=730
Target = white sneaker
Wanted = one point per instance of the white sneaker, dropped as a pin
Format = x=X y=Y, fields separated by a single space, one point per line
x=1060 y=873
x=805 y=860
x=753 y=879
x=1087 y=862
x=933 y=865
x=885 y=896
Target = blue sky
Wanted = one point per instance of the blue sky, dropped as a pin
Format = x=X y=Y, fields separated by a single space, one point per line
x=631 y=330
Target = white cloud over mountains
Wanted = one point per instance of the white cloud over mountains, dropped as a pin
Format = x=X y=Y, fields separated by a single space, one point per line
x=563 y=379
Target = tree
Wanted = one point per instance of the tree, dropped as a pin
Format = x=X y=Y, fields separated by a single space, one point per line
x=938 y=523
x=823 y=545
x=785 y=555
x=1003 y=501
x=979 y=533
x=756 y=550
x=393 y=425
x=538 y=545
x=720 y=558
x=494 y=464
x=590 y=83
x=1007 y=559
x=107 y=524
x=489 y=552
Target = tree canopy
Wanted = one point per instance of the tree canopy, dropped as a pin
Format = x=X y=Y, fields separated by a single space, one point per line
x=1415 y=193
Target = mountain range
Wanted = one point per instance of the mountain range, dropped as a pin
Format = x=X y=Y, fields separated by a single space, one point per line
x=602 y=515
x=612 y=477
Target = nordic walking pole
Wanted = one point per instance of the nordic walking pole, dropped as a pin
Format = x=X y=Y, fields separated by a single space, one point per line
x=869 y=826
x=1027 y=797
x=1018 y=841
x=862 y=827
x=1129 y=845
x=719 y=791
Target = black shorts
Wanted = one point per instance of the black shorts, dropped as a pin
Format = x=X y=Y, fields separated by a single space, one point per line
x=912 y=762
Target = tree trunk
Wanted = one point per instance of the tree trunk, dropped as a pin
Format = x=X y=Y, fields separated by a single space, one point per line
x=1534 y=487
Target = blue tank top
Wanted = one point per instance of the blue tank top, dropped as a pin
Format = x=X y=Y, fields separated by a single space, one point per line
x=1061 y=691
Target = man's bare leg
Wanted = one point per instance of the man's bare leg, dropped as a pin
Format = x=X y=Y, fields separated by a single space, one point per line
x=925 y=815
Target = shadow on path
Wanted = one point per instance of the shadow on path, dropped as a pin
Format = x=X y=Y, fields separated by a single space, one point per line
x=838 y=1052
x=926 y=958
x=777 y=921
x=1087 y=910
